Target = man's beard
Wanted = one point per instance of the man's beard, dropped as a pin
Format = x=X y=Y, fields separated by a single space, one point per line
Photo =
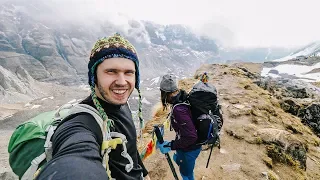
x=104 y=94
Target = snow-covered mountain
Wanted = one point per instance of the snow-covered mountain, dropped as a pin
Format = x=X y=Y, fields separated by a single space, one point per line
x=49 y=43
x=258 y=55
x=294 y=71
x=58 y=50
x=302 y=64
x=312 y=49
x=40 y=43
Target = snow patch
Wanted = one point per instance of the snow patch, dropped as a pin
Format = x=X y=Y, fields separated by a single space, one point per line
x=161 y=36
x=84 y=87
x=144 y=100
x=27 y=105
x=35 y=106
x=296 y=70
x=155 y=80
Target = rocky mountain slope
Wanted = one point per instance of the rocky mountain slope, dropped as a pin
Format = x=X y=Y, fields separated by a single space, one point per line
x=59 y=50
x=262 y=138
x=50 y=41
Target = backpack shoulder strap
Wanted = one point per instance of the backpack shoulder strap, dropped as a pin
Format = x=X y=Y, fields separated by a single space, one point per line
x=178 y=104
x=114 y=139
x=79 y=108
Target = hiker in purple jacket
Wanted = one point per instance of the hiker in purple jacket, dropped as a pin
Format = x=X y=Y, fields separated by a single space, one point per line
x=186 y=135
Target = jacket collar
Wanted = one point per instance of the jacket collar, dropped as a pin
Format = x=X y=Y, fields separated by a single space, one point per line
x=180 y=97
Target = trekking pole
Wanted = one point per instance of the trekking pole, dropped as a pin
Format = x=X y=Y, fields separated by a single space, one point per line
x=211 y=152
x=160 y=139
x=209 y=156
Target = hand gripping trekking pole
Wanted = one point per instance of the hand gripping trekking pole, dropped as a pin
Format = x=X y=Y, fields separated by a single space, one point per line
x=160 y=139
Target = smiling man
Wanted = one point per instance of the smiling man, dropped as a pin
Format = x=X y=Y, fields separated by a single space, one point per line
x=113 y=75
x=116 y=80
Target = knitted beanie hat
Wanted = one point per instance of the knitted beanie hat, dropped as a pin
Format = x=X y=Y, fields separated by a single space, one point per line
x=168 y=83
x=112 y=47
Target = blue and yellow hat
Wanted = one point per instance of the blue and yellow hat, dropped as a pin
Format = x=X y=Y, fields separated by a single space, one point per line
x=112 y=47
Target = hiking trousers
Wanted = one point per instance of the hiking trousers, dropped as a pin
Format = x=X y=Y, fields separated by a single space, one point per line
x=186 y=162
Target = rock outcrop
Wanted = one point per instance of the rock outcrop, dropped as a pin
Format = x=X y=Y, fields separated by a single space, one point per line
x=18 y=87
x=310 y=115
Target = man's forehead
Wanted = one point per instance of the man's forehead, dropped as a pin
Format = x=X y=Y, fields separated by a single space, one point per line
x=118 y=63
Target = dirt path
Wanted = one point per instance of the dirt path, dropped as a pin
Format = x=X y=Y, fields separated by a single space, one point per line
x=240 y=157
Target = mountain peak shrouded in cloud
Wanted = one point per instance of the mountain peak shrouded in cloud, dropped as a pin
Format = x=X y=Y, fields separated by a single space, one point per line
x=89 y=15
x=245 y=23
x=55 y=49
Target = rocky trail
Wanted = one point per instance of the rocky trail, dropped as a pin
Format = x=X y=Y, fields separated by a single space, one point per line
x=258 y=140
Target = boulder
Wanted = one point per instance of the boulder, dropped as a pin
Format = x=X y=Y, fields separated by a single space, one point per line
x=289 y=88
x=292 y=106
x=273 y=71
x=311 y=116
x=283 y=147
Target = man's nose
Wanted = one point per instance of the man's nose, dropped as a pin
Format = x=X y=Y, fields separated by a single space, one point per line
x=121 y=79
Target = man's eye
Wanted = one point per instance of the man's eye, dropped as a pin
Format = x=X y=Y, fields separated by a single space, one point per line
x=130 y=72
x=110 y=71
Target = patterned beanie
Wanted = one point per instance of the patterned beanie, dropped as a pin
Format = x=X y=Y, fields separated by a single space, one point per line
x=112 y=47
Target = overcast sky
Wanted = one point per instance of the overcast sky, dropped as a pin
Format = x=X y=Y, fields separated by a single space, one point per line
x=245 y=23
x=239 y=22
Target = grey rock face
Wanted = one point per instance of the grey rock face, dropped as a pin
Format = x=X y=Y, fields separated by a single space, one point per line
x=16 y=87
x=311 y=116
x=273 y=71
x=8 y=176
x=283 y=143
x=9 y=81
x=298 y=98
x=290 y=88
x=59 y=51
x=12 y=60
x=291 y=106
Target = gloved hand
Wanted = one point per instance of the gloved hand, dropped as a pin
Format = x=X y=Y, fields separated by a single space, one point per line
x=165 y=147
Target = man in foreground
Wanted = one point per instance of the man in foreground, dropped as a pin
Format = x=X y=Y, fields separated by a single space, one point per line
x=113 y=75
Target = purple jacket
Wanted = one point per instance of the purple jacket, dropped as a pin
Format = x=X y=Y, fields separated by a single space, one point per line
x=186 y=134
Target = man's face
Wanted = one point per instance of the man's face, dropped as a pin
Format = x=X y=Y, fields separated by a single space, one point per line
x=115 y=80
